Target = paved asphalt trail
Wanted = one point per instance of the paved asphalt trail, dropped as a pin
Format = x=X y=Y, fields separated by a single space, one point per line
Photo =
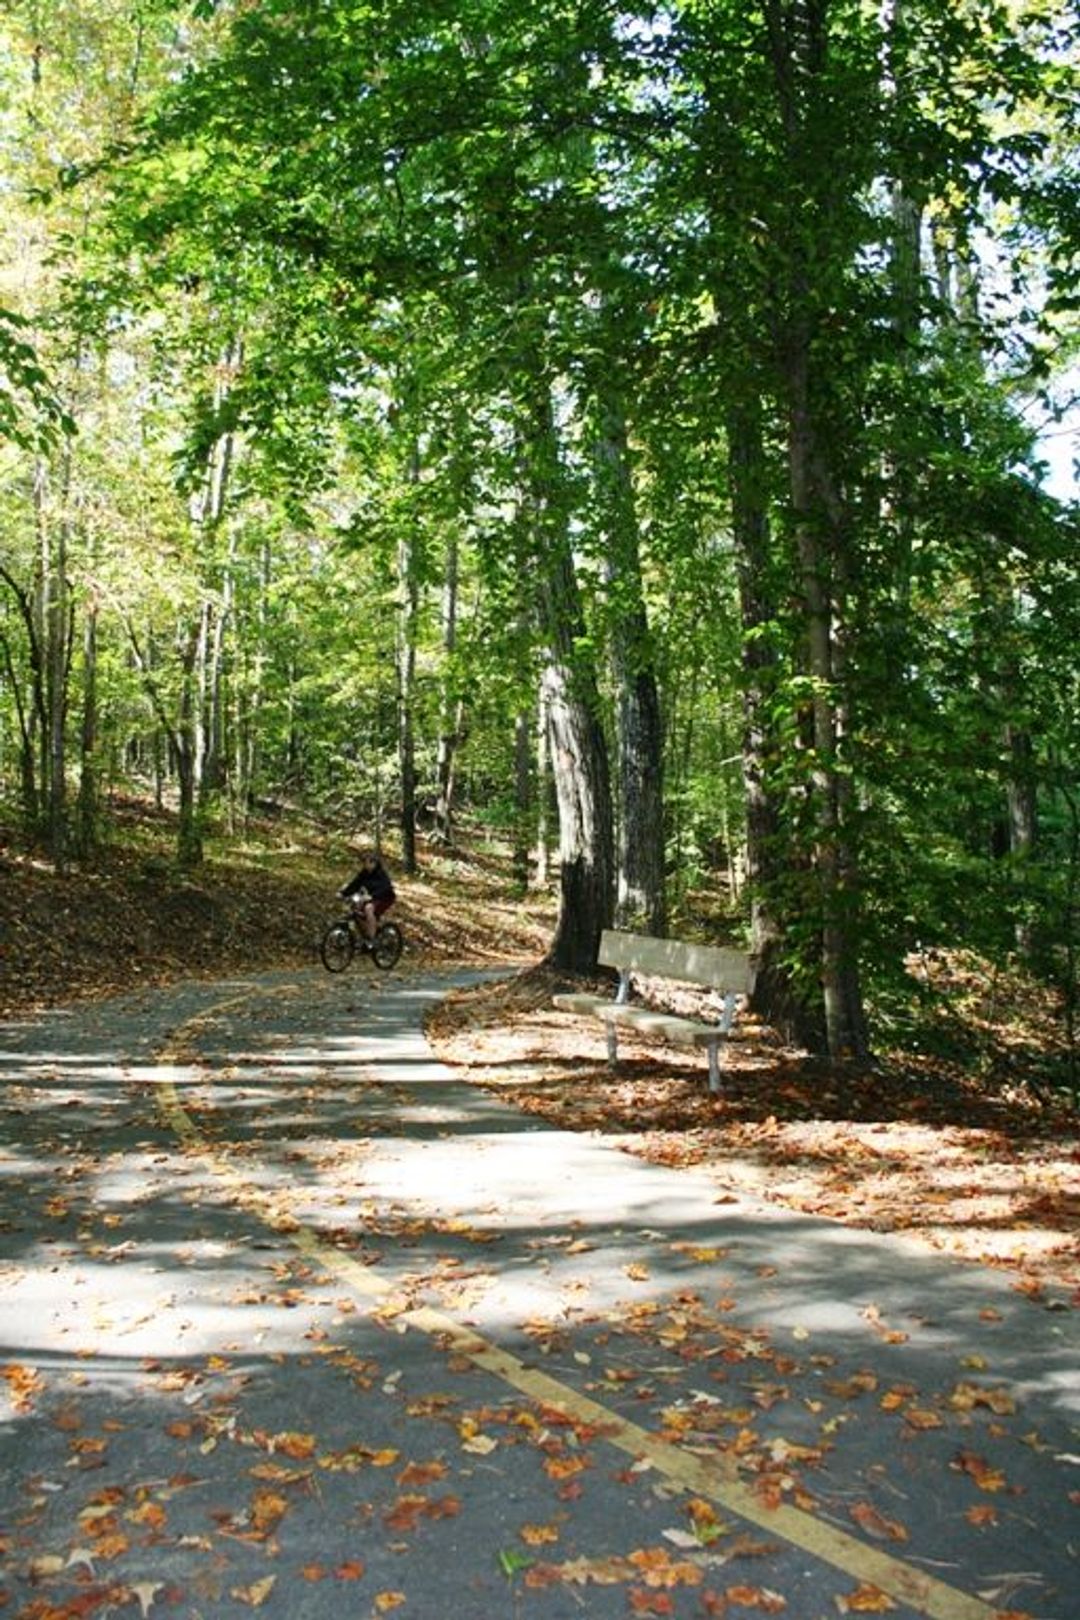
x=292 y=1322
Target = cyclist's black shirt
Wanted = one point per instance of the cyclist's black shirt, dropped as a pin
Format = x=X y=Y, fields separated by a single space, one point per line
x=375 y=879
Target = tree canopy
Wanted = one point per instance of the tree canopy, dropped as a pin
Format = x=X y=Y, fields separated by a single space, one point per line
x=624 y=415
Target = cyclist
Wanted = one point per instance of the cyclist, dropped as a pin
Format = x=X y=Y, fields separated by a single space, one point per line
x=370 y=893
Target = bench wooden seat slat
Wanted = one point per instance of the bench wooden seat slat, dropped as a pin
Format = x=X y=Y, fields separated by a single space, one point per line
x=717 y=966
x=729 y=972
x=572 y=1001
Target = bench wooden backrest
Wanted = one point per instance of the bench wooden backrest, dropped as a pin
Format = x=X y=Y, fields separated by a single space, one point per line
x=713 y=965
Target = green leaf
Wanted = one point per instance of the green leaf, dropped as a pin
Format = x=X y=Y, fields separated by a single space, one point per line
x=512 y=1562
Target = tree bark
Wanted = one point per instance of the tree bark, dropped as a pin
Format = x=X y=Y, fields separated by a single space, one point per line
x=30 y=706
x=87 y=809
x=543 y=791
x=798 y=37
x=640 y=896
x=408 y=608
x=450 y=714
x=50 y=644
x=579 y=755
x=579 y=762
x=522 y=801
x=770 y=854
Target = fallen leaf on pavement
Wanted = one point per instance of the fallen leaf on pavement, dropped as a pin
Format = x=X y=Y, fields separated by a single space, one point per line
x=24 y=1383
x=865 y=1600
x=537 y=1535
x=756 y=1597
x=257 y=1593
x=876 y=1524
x=985 y=1477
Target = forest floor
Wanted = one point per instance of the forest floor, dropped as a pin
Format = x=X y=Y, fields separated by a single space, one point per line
x=959 y=1153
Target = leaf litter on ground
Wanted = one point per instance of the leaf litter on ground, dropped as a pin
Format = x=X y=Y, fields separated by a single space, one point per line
x=981 y=1170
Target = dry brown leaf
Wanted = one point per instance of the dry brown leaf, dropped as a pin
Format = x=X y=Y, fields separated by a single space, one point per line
x=650 y=1603
x=151 y=1514
x=538 y=1535
x=861 y=1383
x=982 y=1515
x=985 y=1477
x=267 y=1509
x=865 y=1599
x=289 y=1443
x=24 y=1384
x=564 y=1467
x=581 y=1572
x=756 y=1597
x=965 y=1397
x=656 y=1567
x=921 y=1419
x=421 y=1473
x=876 y=1524
x=351 y=1570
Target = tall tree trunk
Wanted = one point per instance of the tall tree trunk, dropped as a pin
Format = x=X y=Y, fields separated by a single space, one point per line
x=905 y=276
x=199 y=697
x=189 y=845
x=251 y=694
x=1022 y=799
x=1070 y=918
x=523 y=801
x=578 y=749
x=798 y=36
x=30 y=705
x=51 y=639
x=408 y=609
x=769 y=853
x=816 y=540
x=88 y=807
x=543 y=790
x=215 y=773
x=197 y=762
x=640 y=896
x=1022 y=805
x=59 y=619
x=450 y=706
x=179 y=736
x=579 y=762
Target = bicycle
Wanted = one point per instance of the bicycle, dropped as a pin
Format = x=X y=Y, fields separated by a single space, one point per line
x=345 y=937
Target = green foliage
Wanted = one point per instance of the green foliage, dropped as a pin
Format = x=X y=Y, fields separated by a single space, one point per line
x=328 y=262
x=31 y=415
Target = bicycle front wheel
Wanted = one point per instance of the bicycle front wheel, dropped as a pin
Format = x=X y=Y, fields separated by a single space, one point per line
x=388 y=945
x=337 y=947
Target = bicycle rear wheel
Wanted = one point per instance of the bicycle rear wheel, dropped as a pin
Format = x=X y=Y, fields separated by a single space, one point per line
x=337 y=947
x=388 y=945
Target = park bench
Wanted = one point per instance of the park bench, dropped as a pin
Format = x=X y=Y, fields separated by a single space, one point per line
x=729 y=973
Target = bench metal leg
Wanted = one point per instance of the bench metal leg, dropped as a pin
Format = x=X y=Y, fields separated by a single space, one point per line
x=714 y=1067
x=612 y=1043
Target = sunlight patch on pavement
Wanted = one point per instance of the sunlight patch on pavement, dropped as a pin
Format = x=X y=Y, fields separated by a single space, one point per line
x=714 y=1477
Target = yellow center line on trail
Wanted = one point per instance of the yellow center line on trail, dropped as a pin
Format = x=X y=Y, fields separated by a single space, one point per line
x=714 y=1478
